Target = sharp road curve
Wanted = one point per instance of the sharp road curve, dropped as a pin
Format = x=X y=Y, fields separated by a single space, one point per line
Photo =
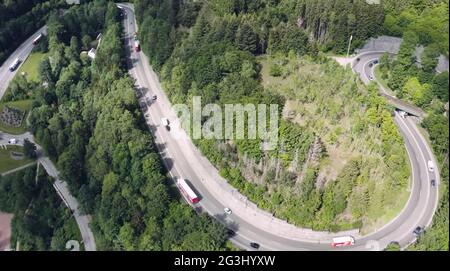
x=183 y=159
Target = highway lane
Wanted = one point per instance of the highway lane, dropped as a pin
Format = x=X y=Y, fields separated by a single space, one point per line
x=183 y=159
x=60 y=186
x=22 y=52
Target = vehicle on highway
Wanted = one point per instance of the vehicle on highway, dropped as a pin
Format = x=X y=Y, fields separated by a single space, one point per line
x=418 y=231
x=433 y=183
x=370 y=77
x=137 y=46
x=254 y=245
x=231 y=233
x=343 y=241
x=402 y=114
x=37 y=39
x=375 y=61
x=154 y=97
x=165 y=122
x=14 y=65
x=227 y=210
x=430 y=166
x=370 y=65
x=147 y=115
x=187 y=191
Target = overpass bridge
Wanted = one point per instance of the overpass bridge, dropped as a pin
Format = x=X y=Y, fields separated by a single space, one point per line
x=364 y=64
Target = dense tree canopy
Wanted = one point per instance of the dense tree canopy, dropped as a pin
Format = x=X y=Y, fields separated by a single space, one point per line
x=87 y=119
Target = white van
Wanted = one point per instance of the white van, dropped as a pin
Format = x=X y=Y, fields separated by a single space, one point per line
x=12 y=141
x=14 y=65
x=430 y=166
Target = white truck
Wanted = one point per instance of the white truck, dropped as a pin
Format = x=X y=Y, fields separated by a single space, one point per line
x=165 y=122
x=15 y=64
x=402 y=114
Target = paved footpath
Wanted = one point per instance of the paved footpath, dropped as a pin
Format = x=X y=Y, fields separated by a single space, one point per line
x=61 y=188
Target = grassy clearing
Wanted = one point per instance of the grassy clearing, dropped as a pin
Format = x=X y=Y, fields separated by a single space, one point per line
x=7 y=163
x=391 y=213
x=30 y=66
x=24 y=105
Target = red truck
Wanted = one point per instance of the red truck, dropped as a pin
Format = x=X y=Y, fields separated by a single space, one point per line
x=186 y=191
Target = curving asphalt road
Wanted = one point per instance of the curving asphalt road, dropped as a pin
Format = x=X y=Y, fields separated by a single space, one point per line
x=22 y=53
x=364 y=65
x=6 y=76
x=184 y=160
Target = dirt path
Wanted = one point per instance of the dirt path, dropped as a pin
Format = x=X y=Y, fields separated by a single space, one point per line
x=5 y=230
x=343 y=61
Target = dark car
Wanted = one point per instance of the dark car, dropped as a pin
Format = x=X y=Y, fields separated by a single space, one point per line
x=231 y=233
x=375 y=61
x=154 y=97
x=417 y=231
x=254 y=245
x=433 y=183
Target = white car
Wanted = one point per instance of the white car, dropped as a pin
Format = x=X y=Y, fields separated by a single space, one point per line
x=227 y=211
x=430 y=166
x=13 y=141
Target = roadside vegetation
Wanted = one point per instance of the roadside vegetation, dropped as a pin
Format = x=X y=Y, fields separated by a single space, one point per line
x=30 y=67
x=88 y=120
x=41 y=221
x=424 y=23
x=340 y=162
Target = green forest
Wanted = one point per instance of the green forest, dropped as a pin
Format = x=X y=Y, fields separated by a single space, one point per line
x=425 y=24
x=340 y=162
x=217 y=50
x=20 y=19
x=87 y=119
